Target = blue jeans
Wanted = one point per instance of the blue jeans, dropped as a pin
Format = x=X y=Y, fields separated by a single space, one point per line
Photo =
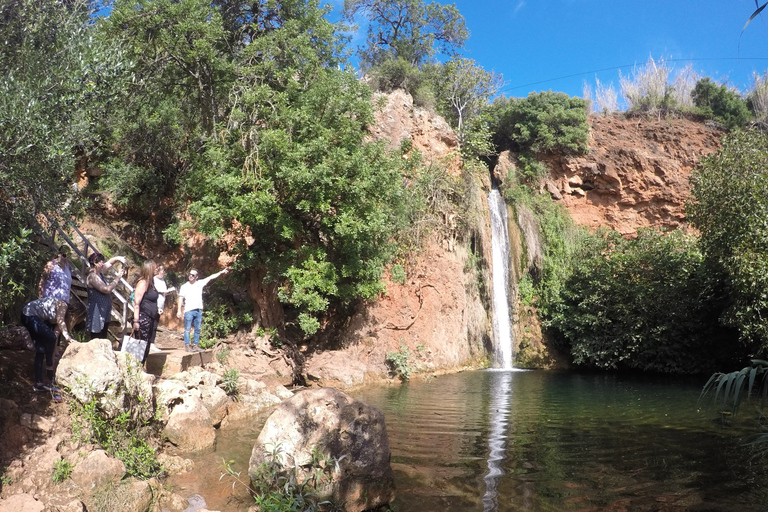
x=45 y=344
x=194 y=319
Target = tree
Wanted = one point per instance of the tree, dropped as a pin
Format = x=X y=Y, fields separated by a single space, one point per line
x=266 y=137
x=51 y=95
x=407 y=29
x=729 y=205
x=464 y=90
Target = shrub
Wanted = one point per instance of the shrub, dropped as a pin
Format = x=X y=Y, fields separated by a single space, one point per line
x=121 y=437
x=721 y=103
x=400 y=363
x=62 y=469
x=220 y=321
x=649 y=303
x=728 y=205
x=545 y=122
x=648 y=89
x=229 y=382
x=757 y=100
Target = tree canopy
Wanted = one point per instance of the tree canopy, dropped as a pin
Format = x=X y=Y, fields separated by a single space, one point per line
x=407 y=29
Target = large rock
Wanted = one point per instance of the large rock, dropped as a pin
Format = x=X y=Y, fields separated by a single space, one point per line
x=349 y=434
x=189 y=425
x=97 y=469
x=21 y=502
x=16 y=337
x=115 y=380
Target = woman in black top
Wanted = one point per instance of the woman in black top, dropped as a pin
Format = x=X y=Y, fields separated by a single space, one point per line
x=145 y=315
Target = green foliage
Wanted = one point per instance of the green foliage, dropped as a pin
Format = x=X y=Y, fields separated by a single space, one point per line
x=229 y=382
x=729 y=206
x=735 y=387
x=276 y=488
x=559 y=239
x=398 y=274
x=222 y=356
x=221 y=319
x=647 y=303
x=721 y=103
x=526 y=290
x=62 y=469
x=401 y=363
x=121 y=437
x=410 y=30
x=545 y=122
x=399 y=74
x=20 y=264
x=54 y=88
x=463 y=91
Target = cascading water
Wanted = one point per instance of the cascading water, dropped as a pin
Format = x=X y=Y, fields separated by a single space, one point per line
x=502 y=325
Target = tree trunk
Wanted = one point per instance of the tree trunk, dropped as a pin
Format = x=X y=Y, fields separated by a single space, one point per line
x=267 y=310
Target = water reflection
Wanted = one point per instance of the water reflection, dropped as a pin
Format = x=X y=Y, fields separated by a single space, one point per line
x=501 y=396
x=544 y=441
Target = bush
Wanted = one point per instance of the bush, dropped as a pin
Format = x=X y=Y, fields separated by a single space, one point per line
x=401 y=363
x=62 y=469
x=721 y=103
x=545 y=122
x=649 y=304
x=648 y=90
x=229 y=382
x=220 y=321
x=729 y=206
x=121 y=437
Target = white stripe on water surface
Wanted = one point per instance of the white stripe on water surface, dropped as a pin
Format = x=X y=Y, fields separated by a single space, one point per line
x=502 y=325
x=501 y=399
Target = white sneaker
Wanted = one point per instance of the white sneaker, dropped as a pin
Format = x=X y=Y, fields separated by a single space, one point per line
x=153 y=349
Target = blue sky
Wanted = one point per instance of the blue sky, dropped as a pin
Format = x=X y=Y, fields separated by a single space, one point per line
x=558 y=44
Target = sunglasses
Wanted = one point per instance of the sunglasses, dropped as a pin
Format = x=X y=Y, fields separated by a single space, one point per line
x=192 y=275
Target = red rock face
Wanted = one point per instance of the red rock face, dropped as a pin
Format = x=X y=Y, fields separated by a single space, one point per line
x=635 y=175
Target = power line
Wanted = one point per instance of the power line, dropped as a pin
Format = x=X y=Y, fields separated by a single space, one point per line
x=612 y=68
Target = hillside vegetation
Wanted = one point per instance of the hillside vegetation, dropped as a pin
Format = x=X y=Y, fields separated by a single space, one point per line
x=244 y=123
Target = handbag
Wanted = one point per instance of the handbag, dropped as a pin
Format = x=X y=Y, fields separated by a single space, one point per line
x=134 y=346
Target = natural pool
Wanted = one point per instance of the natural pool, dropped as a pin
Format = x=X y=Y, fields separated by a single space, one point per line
x=546 y=441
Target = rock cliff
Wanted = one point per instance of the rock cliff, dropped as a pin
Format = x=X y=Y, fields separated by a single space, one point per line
x=635 y=175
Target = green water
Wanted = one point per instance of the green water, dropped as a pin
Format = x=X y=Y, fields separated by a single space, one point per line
x=547 y=441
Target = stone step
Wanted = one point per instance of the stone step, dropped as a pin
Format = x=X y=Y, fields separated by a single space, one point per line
x=170 y=361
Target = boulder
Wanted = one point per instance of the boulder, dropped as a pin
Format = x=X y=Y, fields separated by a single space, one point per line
x=189 y=425
x=97 y=469
x=21 y=502
x=16 y=337
x=94 y=371
x=350 y=437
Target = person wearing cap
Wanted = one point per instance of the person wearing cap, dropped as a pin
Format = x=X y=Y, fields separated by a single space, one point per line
x=99 y=309
x=191 y=306
x=38 y=316
x=56 y=280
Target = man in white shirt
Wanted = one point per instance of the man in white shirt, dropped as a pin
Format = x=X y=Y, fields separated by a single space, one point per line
x=191 y=306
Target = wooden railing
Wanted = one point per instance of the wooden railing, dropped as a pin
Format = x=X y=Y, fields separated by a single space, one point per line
x=123 y=306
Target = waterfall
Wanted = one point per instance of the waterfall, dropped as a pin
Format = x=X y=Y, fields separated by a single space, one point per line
x=502 y=325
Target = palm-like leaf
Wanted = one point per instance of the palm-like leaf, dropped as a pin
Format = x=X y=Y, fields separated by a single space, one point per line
x=734 y=387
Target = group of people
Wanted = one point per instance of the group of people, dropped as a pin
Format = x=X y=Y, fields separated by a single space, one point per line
x=45 y=317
